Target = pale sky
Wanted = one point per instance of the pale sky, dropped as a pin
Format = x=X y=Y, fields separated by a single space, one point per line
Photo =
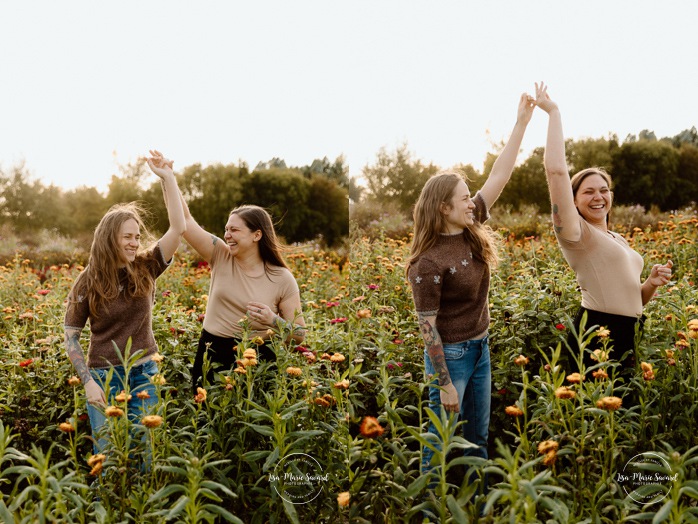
x=87 y=84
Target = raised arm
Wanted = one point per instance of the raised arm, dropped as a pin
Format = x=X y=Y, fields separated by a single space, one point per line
x=94 y=392
x=504 y=165
x=175 y=214
x=435 y=351
x=201 y=240
x=565 y=216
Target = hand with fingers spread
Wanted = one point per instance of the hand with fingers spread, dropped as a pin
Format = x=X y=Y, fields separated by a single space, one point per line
x=543 y=99
x=160 y=165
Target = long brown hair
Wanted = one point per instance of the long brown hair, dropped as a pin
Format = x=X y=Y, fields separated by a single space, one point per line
x=99 y=282
x=429 y=222
x=270 y=248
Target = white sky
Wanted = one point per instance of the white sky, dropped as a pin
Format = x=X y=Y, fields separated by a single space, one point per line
x=87 y=84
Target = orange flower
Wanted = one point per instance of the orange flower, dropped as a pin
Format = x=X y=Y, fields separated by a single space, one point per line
x=547 y=446
x=344 y=384
x=240 y=370
x=258 y=341
x=609 y=403
x=343 y=499
x=152 y=421
x=96 y=469
x=513 y=411
x=603 y=332
x=143 y=395
x=363 y=313
x=157 y=358
x=599 y=355
x=66 y=427
x=96 y=459
x=121 y=397
x=574 y=378
x=200 y=396
x=337 y=357
x=73 y=381
x=294 y=371
x=250 y=354
x=600 y=374
x=158 y=379
x=564 y=392
x=370 y=428
x=550 y=458
x=521 y=360
x=113 y=411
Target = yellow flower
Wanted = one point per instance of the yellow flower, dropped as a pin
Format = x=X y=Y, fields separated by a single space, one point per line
x=343 y=499
x=337 y=357
x=564 y=392
x=603 y=332
x=294 y=372
x=258 y=341
x=96 y=459
x=574 y=378
x=113 y=411
x=546 y=446
x=151 y=421
x=200 y=396
x=157 y=358
x=513 y=411
x=73 y=381
x=609 y=403
x=121 y=397
x=646 y=366
x=521 y=360
x=66 y=427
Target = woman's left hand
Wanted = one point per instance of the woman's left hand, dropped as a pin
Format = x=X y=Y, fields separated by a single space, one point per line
x=661 y=274
x=260 y=313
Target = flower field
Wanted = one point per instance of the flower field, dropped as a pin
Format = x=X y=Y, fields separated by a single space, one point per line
x=353 y=398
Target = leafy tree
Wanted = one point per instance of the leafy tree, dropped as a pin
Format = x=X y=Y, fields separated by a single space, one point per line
x=327 y=211
x=397 y=177
x=590 y=152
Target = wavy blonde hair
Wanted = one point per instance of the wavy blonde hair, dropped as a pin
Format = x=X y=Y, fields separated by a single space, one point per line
x=99 y=282
x=429 y=222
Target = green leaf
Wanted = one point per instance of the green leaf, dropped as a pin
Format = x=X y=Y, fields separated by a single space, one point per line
x=417 y=485
x=663 y=512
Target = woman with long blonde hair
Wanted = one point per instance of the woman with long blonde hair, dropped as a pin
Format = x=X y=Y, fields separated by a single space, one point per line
x=449 y=272
x=116 y=292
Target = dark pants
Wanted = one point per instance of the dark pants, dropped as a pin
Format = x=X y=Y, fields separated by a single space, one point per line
x=621 y=338
x=222 y=356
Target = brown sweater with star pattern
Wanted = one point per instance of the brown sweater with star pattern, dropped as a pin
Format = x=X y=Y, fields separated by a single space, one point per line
x=448 y=281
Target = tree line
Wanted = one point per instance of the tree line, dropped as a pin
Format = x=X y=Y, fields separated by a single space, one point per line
x=648 y=171
x=308 y=202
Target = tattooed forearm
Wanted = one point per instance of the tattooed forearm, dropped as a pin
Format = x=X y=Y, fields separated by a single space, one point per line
x=76 y=355
x=435 y=349
x=557 y=220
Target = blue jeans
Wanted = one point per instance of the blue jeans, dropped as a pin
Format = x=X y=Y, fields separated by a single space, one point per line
x=468 y=365
x=138 y=380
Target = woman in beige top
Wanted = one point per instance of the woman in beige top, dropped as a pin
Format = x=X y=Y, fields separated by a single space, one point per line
x=249 y=279
x=608 y=269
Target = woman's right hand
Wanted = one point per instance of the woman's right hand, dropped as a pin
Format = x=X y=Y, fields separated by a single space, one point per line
x=543 y=99
x=160 y=165
x=95 y=394
x=449 y=398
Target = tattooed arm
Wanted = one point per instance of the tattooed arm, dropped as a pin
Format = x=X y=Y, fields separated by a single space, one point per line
x=435 y=350
x=565 y=216
x=94 y=392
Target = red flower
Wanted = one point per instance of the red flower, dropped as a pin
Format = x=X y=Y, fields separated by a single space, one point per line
x=302 y=349
x=26 y=363
x=44 y=291
x=201 y=317
x=560 y=327
x=332 y=304
x=338 y=320
x=373 y=286
x=166 y=293
x=398 y=341
x=202 y=263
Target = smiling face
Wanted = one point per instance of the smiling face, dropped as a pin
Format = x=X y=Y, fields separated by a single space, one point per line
x=129 y=240
x=593 y=199
x=459 y=212
x=239 y=237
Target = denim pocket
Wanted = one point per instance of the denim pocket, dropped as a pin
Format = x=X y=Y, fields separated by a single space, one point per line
x=454 y=352
x=150 y=368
